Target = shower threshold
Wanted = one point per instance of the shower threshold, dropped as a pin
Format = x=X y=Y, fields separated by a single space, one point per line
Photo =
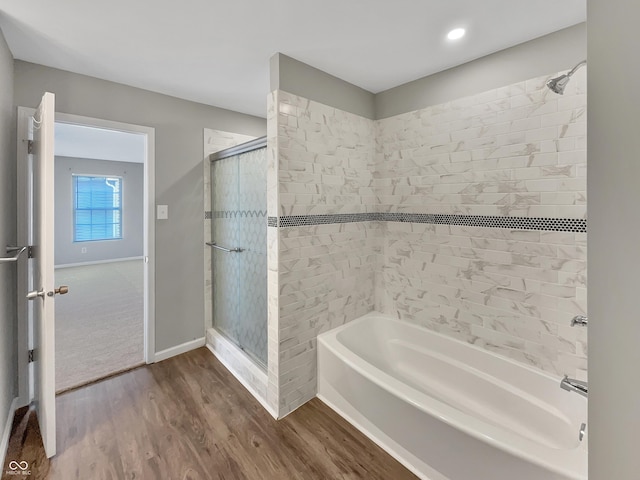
x=259 y=363
x=249 y=371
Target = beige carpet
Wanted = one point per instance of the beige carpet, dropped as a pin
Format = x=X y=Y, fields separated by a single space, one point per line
x=99 y=323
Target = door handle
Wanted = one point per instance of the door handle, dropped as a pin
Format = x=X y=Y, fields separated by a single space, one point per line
x=35 y=294
x=61 y=290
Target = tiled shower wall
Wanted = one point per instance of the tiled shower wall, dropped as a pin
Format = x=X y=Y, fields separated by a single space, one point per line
x=468 y=218
x=517 y=151
x=325 y=165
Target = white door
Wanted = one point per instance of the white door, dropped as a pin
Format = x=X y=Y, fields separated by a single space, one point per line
x=41 y=269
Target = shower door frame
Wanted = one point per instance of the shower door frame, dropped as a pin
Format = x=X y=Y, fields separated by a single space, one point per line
x=246 y=147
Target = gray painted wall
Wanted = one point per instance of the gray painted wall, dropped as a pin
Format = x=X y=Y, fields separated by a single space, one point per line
x=8 y=365
x=614 y=239
x=68 y=251
x=548 y=54
x=306 y=81
x=179 y=181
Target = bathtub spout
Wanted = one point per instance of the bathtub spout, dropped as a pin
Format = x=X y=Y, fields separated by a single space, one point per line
x=580 y=320
x=572 y=385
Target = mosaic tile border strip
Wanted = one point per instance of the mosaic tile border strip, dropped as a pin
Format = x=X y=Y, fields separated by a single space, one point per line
x=576 y=225
x=300 y=220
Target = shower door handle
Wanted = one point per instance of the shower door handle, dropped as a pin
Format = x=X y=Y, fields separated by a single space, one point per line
x=228 y=250
x=17 y=251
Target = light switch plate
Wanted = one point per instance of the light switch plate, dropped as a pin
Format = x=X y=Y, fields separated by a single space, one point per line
x=162 y=212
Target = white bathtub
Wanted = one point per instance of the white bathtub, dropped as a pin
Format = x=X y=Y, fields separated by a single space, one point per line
x=449 y=410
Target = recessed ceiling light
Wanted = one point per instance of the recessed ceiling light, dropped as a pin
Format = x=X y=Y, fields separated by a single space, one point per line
x=456 y=33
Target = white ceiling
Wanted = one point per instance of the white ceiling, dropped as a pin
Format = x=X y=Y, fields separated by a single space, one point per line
x=80 y=141
x=217 y=52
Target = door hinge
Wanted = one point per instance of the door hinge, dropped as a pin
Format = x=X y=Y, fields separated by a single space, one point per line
x=31 y=356
x=29 y=146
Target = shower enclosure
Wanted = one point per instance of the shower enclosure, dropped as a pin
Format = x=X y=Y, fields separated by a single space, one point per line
x=239 y=246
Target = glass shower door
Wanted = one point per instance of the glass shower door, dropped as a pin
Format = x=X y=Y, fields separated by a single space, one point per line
x=239 y=223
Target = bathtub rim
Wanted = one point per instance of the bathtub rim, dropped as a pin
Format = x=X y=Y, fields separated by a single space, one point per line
x=559 y=461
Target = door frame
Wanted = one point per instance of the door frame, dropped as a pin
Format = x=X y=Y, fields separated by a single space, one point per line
x=25 y=386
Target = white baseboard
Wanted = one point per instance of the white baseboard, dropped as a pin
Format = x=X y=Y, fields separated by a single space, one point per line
x=179 y=349
x=98 y=262
x=4 y=441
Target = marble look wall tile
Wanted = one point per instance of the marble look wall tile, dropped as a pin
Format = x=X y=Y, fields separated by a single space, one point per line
x=273 y=300
x=273 y=154
x=273 y=336
x=519 y=150
x=516 y=151
x=326 y=278
x=513 y=292
x=325 y=158
x=323 y=163
x=503 y=152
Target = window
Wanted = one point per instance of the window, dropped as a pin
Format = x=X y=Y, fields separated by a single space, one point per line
x=98 y=208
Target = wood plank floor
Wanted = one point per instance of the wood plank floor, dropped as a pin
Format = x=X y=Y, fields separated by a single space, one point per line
x=188 y=418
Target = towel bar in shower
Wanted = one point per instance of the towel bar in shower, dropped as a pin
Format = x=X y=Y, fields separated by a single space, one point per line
x=17 y=251
x=228 y=250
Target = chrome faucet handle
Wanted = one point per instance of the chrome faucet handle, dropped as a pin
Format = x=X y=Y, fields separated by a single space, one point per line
x=580 y=320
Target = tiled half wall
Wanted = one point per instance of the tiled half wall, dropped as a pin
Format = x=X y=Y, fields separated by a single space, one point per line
x=323 y=164
x=468 y=218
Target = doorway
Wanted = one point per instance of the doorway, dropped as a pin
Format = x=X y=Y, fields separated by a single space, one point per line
x=104 y=287
x=99 y=208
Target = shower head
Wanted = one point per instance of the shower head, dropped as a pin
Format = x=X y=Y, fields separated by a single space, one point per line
x=558 y=84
